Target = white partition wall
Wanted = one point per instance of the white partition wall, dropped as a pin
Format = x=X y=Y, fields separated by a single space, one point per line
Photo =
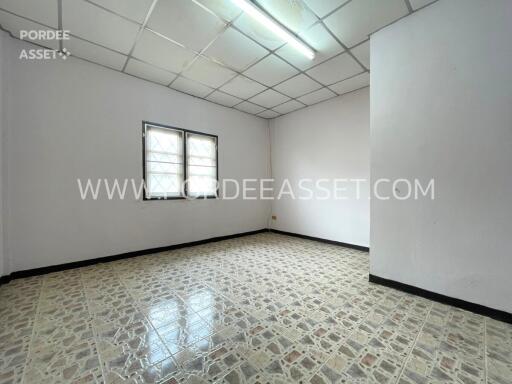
x=327 y=141
x=441 y=107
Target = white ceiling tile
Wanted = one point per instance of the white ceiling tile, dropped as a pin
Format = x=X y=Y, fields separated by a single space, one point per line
x=250 y=108
x=297 y=86
x=209 y=73
x=351 y=84
x=288 y=107
x=191 y=87
x=94 y=53
x=42 y=11
x=359 y=18
x=242 y=87
x=223 y=99
x=16 y=24
x=317 y=96
x=292 y=14
x=268 y=114
x=258 y=32
x=99 y=26
x=133 y=9
x=235 y=50
x=320 y=40
x=185 y=22
x=336 y=69
x=269 y=98
x=323 y=7
x=271 y=70
x=226 y=10
x=162 y=53
x=362 y=53
x=148 y=72
x=416 y=4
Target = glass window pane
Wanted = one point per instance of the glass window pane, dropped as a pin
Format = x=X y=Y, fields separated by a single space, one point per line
x=201 y=165
x=164 y=162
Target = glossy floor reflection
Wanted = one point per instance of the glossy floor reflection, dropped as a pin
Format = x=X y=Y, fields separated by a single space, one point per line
x=259 y=309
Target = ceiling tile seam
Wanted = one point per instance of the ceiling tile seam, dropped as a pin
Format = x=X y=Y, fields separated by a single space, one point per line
x=96 y=44
x=425 y=6
x=116 y=70
x=25 y=41
x=333 y=35
x=239 y=73
x=345 y=79
x=274 y=51
x=234 y=27
x=281 y=24
x=323 y=87
x=125 y=73
x=403 y=17
x=231 y=24
x=331 y=12
x=226 y=21
x=59 y=22
x=28 y=19
x=344 y=46
x=320 y=20
x=112 y=12
x=200 y=54
x=318 y=102
x=221 y=64
x=139 y=33
x=408 y=5
x=393 y=22
x=227 y=25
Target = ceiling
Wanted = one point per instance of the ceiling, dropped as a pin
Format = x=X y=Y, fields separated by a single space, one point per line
x=211 y=50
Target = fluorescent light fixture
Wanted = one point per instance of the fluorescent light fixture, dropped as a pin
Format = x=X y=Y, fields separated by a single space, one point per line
x=252 y=10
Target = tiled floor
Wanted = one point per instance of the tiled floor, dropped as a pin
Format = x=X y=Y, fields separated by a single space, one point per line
x=258 y=309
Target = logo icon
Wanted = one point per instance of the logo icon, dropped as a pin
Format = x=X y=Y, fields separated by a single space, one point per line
x=64 y=54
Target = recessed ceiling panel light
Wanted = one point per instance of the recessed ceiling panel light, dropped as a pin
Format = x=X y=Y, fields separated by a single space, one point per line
x=260 y=16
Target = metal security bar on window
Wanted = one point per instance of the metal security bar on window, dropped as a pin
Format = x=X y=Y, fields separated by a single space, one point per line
x=201 y=165
x=178 y=163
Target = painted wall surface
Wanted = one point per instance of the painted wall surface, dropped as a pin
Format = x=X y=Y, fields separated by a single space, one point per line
x=441 y=100
x=72 y=119
x=327 y=141
x=3 y=36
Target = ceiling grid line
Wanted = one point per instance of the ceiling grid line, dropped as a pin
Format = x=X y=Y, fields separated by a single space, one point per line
x=409 y=6
x=139 y=33
x=203 y=54
x=229 y=24
x=59 y=21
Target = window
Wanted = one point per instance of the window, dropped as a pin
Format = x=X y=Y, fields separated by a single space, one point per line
x=179 y=163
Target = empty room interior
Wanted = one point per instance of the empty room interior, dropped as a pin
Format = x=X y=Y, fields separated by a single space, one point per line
x=256 y=191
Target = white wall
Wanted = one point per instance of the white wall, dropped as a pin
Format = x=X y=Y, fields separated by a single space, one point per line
x=3 y=36
x=72 y=119
x=329 y=140
x=441 y=101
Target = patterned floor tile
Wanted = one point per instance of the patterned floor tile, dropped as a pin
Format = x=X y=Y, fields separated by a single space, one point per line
x=258 y=309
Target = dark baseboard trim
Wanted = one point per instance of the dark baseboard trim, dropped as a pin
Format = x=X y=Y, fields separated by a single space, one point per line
x=462 y=304
x=333 y=242
x=85 y=263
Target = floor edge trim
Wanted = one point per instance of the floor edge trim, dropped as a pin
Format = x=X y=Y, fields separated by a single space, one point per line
x=333 y=242
x=105 y=259
x=496 y=314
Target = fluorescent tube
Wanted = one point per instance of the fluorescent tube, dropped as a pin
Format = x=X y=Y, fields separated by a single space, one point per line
x=260 y=16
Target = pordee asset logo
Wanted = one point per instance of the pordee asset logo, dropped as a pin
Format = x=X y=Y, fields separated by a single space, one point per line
x=43 y=53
